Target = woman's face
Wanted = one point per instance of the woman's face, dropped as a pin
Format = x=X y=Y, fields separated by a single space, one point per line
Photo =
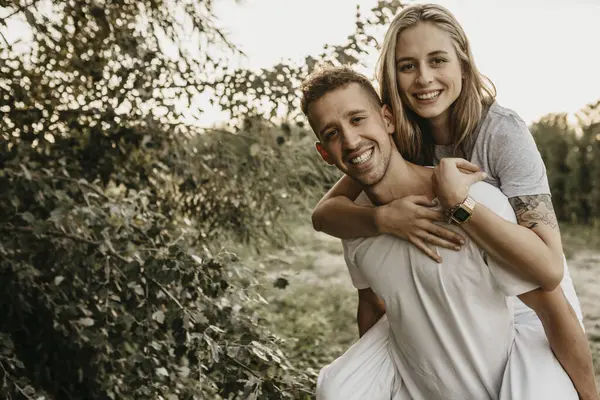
x=428 y=71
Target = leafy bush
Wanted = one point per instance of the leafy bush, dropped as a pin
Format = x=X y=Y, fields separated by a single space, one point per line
x=245 y=180
x=113 y=283
x=103 y=297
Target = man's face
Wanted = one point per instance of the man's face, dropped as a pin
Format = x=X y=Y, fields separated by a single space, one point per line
x=354 y=132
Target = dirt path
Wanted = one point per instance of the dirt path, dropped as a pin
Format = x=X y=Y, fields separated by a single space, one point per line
x=316 y=260
x=585 y=271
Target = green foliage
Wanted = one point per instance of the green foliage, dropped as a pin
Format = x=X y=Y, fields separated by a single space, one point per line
x=555 y=138
x=103 y=296
x=260 y=170
x=115 y=283
x=317 y=337
x=572 y=164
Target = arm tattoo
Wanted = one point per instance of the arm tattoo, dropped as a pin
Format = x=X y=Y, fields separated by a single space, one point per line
x=534 y=210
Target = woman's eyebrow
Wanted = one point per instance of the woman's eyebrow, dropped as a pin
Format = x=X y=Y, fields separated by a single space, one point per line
x=433 y=53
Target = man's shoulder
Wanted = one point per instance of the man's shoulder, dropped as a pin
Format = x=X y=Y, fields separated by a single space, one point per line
x=363 y=249
x=492 y=198
x=481 y=190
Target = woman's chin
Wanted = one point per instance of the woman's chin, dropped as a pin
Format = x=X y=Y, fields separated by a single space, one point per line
x=430 y=112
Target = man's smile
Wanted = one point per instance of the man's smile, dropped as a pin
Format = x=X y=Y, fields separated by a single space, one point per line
x=360 y=158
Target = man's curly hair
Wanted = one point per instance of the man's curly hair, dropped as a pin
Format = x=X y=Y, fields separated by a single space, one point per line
x=328 y=79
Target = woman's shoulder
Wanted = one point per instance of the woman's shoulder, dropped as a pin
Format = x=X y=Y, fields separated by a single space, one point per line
x=500 y=113
x=502 y=122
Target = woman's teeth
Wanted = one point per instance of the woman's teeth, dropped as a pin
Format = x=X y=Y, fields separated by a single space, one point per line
x=428 y=96
x=362 y=158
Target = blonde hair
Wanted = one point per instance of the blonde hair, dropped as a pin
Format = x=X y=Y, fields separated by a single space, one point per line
x=478 y=92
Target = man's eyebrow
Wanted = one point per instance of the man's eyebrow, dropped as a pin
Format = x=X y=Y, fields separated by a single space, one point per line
x=433 y=53
x=350 y=113
x=354 y=112
x=329 y=125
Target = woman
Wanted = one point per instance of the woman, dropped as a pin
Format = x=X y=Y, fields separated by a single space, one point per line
x=444 y=108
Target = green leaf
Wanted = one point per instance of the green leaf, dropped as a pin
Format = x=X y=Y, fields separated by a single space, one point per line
x=85 y=322
x=27 y=216
x=159 y=316
x=25 y=172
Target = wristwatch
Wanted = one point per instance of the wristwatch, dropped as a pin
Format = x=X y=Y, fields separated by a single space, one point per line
x=461 y=212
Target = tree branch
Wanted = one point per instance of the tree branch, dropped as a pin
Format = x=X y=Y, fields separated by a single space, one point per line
x=27 y=229
x=18 y=10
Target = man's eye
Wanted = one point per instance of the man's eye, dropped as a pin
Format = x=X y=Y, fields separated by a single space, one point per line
x=330 y=134
x=356 y=120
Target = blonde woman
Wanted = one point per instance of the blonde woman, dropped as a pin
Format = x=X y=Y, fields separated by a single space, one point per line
x=444 y=109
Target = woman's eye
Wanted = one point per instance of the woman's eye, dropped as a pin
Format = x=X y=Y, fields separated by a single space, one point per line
x=406 y=67
x=356 y=120
x=438 y=61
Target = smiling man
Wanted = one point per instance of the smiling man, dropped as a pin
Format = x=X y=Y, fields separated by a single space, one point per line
x=448 y=331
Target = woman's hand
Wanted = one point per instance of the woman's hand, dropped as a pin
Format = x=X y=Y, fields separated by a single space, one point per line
x=411 y=218
x=452 y=178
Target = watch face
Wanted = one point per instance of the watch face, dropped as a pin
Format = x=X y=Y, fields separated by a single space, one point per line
x=461 y=215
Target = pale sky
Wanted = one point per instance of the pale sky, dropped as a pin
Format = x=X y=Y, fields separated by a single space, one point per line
x=542 y=55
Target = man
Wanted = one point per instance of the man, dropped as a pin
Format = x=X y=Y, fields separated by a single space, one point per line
x=450 y=326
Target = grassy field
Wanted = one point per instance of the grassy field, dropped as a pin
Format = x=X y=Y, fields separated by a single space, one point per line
x=310 y=296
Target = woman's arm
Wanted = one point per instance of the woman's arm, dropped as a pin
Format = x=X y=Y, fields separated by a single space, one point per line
x=408 y=218
x=337 y=215
x=532 y=249
x=535 y=254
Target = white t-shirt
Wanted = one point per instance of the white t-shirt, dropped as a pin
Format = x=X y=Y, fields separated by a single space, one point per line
x=452 y=323
x=505 y=149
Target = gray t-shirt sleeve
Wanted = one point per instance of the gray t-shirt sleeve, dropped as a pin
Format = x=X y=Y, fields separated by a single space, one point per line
x=514 y=157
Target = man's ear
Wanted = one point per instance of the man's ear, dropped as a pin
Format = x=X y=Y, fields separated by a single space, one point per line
x=388 y=117
x=324 y=154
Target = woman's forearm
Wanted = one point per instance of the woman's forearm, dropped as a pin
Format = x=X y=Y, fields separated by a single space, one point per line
x=342 y=218
x=515 y=247
x=337 y=215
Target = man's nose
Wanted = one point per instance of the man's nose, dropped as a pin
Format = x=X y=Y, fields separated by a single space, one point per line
x=351 y=139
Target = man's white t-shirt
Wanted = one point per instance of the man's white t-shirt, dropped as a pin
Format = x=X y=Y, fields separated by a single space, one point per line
x=451 y=323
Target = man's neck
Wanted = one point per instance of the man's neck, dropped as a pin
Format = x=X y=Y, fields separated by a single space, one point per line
x=401 y=179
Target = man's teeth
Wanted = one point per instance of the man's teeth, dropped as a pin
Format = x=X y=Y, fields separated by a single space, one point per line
x=429 y=96
x=362 y=158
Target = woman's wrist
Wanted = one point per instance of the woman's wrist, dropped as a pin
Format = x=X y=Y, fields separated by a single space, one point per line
x=453 y=199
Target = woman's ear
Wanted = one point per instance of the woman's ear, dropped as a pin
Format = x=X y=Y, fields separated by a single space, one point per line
x=324 y=154
x=389 y=119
